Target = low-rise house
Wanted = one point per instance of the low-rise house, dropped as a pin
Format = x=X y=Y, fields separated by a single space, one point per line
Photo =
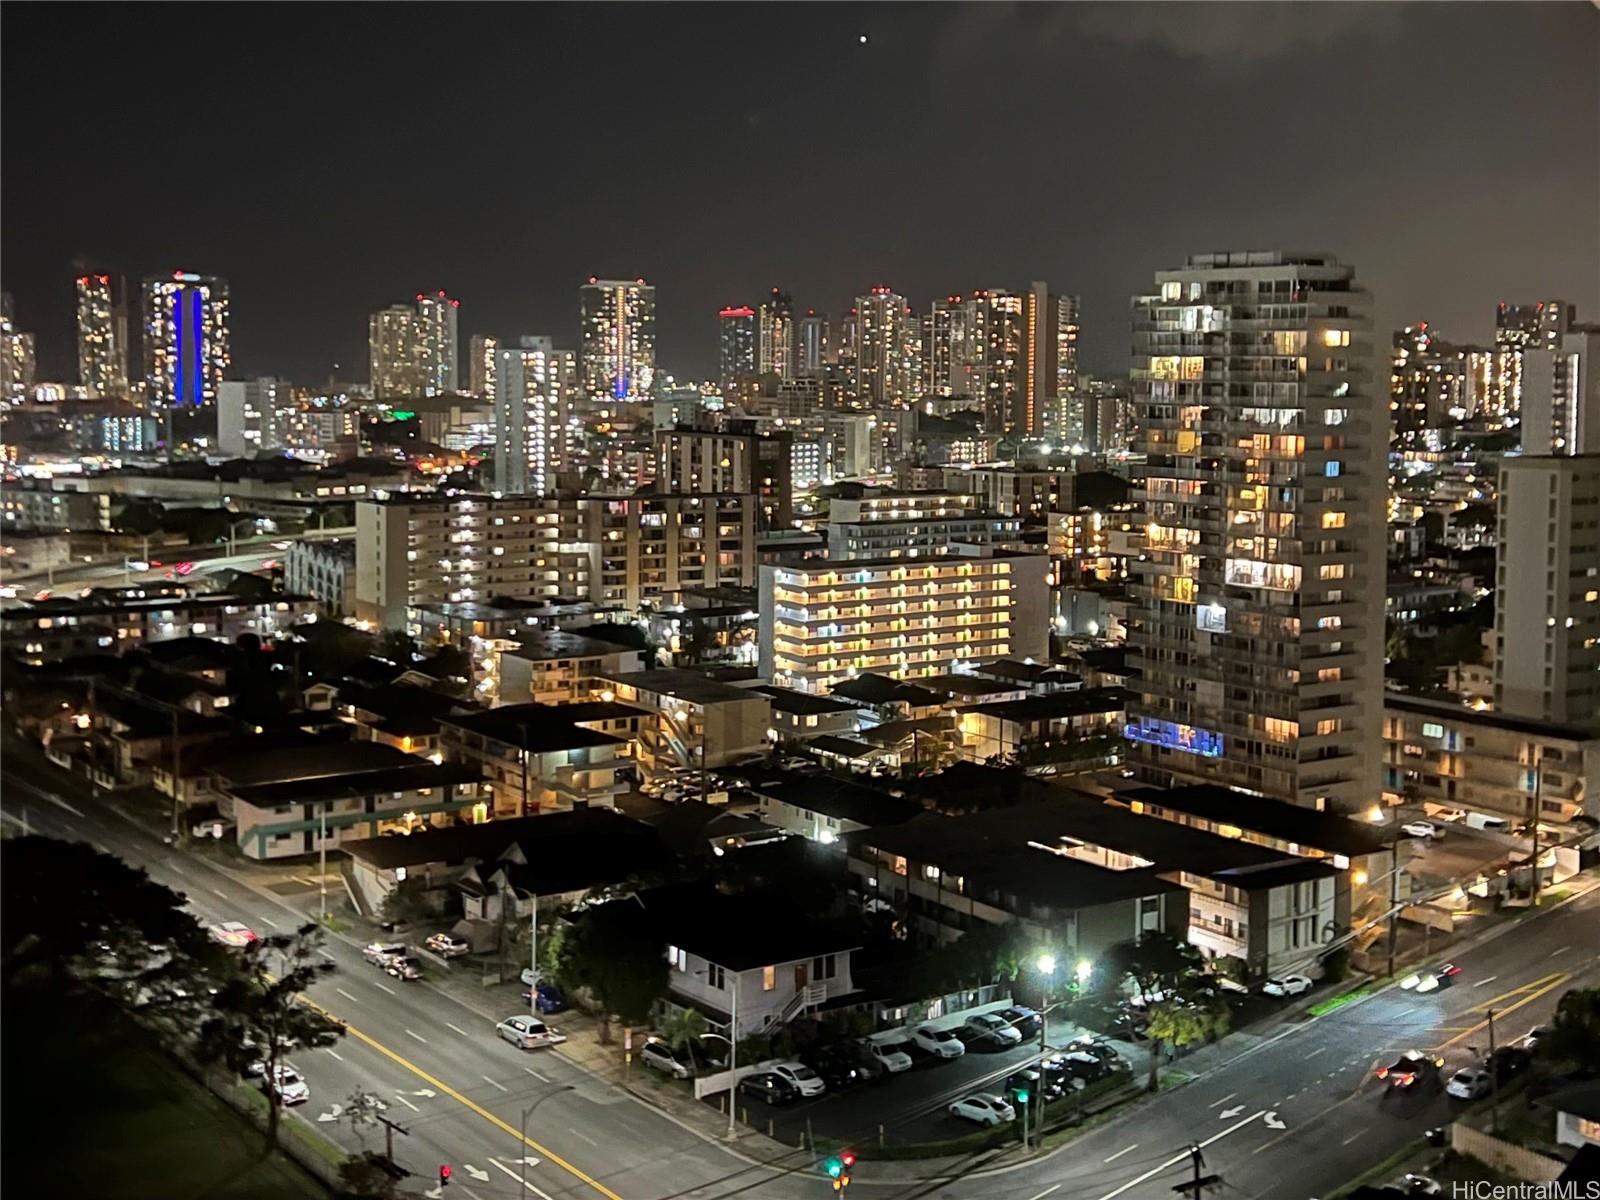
x=797 y=717
x=698 y=721
x=547 y=757
x=824 y=808
x=1577 y=1109
x=554 y=667
x=885 y=698
x=402 y=714
x=1011 y=726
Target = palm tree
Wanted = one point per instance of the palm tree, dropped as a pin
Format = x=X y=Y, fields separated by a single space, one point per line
x=684 y=1029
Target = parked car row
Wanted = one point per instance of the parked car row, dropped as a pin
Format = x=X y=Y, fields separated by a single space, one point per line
x=1469 y=1083
x=396 y=958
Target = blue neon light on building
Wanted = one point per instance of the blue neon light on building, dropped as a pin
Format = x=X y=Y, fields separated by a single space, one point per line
x=1187 y=738
x=195 y=331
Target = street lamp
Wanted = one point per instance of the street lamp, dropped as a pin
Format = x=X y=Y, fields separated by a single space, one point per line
x=1084 y=972
x=1046 y=965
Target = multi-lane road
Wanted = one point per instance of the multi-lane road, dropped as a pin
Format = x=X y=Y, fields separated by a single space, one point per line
x=1298 y=1114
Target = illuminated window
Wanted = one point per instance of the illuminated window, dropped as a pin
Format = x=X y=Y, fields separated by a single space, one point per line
x=1335 y=337
x=1330 y=725
x=1333 y=520
x=1279 y=730
x=769 y=978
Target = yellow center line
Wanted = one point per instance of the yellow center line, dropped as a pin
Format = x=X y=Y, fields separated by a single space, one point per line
x=441 y=1085
x=1555 y=982
x=1495 y=1001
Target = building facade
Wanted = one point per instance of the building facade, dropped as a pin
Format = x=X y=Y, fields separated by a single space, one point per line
x=535 y=385
x=734 y=458
x=1258 y=631
x=102 y=337
x=617 y=357
x=186 y=347
x=775 y=343
x=737 y=339
x=915 y=525
x=251 y=414
x=886 y=372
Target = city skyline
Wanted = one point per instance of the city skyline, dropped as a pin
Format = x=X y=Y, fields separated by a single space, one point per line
x=1101 y=221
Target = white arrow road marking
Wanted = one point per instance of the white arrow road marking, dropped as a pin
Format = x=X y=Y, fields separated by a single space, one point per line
x=334 y=1053
x=1119 y=1154
x=1178 y=1158
x=501 y=1086
x=1046 y=1192
x=480 y=1175
x=406 y=1102
x=459 y=1030
x=1229 y=1114
x=331 y=1115
x=1224 y=1100
x=425 y=1093
x=434 y=1193
x=518 y=1176
x=347 y=995
x=418 y=1036
x=1481 y=982
x=1271 y=1121
x=527 y=1158
x=384 y=986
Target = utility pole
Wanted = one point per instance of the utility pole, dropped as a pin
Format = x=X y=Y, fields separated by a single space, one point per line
x=1538 y=805
x=1193 y=1187
x=390 y=1128
x=1394 y=899
x=533 y=951
x=322 y=862
x=1494 y=1079
x=733 y=1056
x=523 y=729
x=177 y=784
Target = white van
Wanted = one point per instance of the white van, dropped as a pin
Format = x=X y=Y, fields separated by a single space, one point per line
x=1477 y=820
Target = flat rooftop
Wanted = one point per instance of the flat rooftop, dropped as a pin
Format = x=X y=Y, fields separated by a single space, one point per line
x=690 y=686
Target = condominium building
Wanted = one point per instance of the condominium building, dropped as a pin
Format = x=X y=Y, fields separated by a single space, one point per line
x=1561 y=394
x=252 y=414
x=696 y=721
x=102 y=337
x=941 y=364
x=775 y=343
x=1061 y=424
x=438 y=344
x=18 y=357
x=481 y=351
x=1013 y=491
x=885 y=344
x=1427 y=384
x=914 y=525
x=413 y=348
x=823 y=622
x=732 y=458
x=535 y=385
x=185 y=339
x=737 y=338
x=648 y=548
x=1259 y=625
x=811 y=344
x=617 y=357
x=1547 y=590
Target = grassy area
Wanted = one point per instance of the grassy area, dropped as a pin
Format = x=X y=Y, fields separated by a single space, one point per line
x=1323 y=1007
x=109 y=1115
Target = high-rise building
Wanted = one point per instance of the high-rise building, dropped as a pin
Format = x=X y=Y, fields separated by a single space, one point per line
x=1519 y=328
x=940 y=373
x=102 y=337
x=186 y=349
x=1258 y=630
x=1547 y=590
x=997 y=348
x=617 y=358
x=1427 y=384
x=776 y=350
x=734 y=458
x=737 y=338
x=811 y=344
x=1561 y=394
x=534 y=388
x=1068 y=402
x=481 y=364
x=250 y=415
x=437 y=344
x=885 y=334
x=1041 y=320
x=16 y=353
x=391 y=349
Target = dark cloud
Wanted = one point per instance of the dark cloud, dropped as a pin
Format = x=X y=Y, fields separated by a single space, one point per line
x=328 y=163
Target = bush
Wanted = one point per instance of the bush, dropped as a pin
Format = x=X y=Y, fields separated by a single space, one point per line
x=1336 y=966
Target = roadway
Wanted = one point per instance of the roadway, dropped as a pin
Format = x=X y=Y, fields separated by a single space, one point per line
x=1302 y=1106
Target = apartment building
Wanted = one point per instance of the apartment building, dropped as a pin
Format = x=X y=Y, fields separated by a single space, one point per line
x=824 y=622
x=539 y=758
x=731 y=459
x=550 y=666
x=1011 y=491
x=698 y=721
x=915 y=525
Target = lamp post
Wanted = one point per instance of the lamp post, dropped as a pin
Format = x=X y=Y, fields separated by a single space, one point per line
x=522 y=1129
x=1046 y=965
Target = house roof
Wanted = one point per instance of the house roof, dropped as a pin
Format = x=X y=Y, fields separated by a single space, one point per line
x=838 y=798
x=1026 y=672
x=803 y=704
x=966 y=685
x=539 y=727
x=191 y=653
x=420 y=773
x=844 y=747
x=1258 y=814
x=683 y=685
x=545 y=644
x=883 y=689
x=1057 y=706
x=1581 y=1099
x=757 y=928
x=1455 y=713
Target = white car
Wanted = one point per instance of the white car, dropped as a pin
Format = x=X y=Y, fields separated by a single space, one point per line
x=528 y=1033
x=448 y=945
x=801 y=1077
x=381 y=954
x=985 y=1109
x=1451 y=815
x=941 y=1043
x=289 y=1085
x=659 y=1056
x=994 y=1029
x=892 y=1055
x=1286 y=985
x=234 y=934
x=1469 y=1083
x=1421 y=829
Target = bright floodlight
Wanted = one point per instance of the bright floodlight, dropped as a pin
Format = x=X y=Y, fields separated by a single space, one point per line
x=1047 y=964
x=1085 y=969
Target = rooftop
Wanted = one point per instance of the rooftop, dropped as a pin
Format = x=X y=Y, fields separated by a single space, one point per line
x=803 y=704
x=843 y=746
x=884 y=689
x=1279 y=819
x=967 y=685
x=689 y=686
x=538 y=728
x=544 y=644
x=1447 y=711
x=1027 y=672
x=1057 y=705
x=838 y=798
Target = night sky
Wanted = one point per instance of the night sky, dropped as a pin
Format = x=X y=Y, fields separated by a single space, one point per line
x=328 y=160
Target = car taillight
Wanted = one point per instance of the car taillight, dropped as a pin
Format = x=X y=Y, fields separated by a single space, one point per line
x=1383 y=1072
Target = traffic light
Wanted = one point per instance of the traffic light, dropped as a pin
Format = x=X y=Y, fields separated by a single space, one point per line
x=444 y=1174
x=833 y=1165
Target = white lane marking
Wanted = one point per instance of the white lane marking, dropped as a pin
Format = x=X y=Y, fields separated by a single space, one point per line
x=177 y=870
x=1560 y=950
x=536 y=1075
x=468 y=1191
x=322 y=950
x=530 y=1187
x=1481 y=982
x=1316 y=1052
x=501 y=1086
x=216 y=891
x=269 y=921
x=384 y=986
x=60 y=803
x=406 y=1102
x=1224 y=1100
x=347 y=995
x=1354 y=1137
x=418 y=1036
x=334 y=1053
x=1178 y=1158
x=1120 y=1153
x=1046 y=1192
x=1405 y=1012
x=581 y=1136
x=459 y=1030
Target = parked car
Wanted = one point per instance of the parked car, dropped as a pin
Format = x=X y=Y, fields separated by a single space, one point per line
x=1102 y=1050
x=1508 y=1062
x=448 y=945
x=941 y=1043
x=769 y=1088
x=892 y=1055
x=993 y=1029
x=806 y=1081
x=1059 y=1075
x=550 y=998
x=528 y=1033
x=1534 y=1036
x=406 y=967
x=659 y=1056
x=379 y=953
x=1080 y=1063
x=836 y=1068
x=1421 y=829
x=1469 y=1083
x=984 y=1108
x=289 y=1084
x=867 y=1065
x=1286 y=985
x=1411 y=1069
x=1451 y=815
x=1024 y=1020
x=1412 y=1184
x=1439 y=977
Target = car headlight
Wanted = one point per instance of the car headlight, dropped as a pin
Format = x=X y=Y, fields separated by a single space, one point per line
x=1428 y=984
x=1410 y=981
